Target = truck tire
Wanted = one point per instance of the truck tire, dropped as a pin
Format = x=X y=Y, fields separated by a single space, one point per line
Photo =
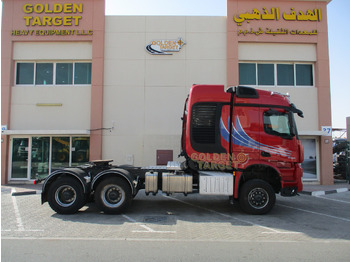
x=256 y=197
x=66 y=196
x=113 y=195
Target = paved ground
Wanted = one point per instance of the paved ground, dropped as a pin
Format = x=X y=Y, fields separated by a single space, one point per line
x=309 y=188
x=311 y=227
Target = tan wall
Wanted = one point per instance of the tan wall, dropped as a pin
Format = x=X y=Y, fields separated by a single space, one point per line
x=144 y=94
x=74 y=110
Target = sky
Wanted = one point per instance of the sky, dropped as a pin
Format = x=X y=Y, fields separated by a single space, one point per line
x=339 y=38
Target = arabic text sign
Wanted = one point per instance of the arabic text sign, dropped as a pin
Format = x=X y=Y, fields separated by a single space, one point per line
x=279 y=31
x=275 y=14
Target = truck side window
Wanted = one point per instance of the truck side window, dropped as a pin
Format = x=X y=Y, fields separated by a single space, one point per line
x=277 y=124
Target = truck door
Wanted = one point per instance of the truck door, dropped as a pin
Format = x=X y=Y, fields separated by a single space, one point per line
x=245 y=134
x=278 y=140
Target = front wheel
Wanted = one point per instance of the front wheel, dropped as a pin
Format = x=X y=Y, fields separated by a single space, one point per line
x=257 y=197
x=66 y=196
x=113 y=195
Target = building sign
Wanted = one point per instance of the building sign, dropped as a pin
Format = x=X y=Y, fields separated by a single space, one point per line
x=58 y=17
x=274 y=14
x=327 y=130
x=163 y=47
x=3 y=128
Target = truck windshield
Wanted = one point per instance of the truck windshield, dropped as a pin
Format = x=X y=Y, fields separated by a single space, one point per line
x=279 y=124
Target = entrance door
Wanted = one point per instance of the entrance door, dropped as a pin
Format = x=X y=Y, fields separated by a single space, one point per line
x=310 y=159
x=40 y=157
x=34 y=157
x=20 y=155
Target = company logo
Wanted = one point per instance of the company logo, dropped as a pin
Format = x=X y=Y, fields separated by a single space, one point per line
x=162 y=47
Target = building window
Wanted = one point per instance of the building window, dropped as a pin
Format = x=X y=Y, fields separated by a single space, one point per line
x=304 y=75
x=64 y=73
x=44 y=74
x=78 y=73
x=25 y=74
x=285 y=75
x=266 y=73
x=276 y=74
x=82 y=74
x=247 y=74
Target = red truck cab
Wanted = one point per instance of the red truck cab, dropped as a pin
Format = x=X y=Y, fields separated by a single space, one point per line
x=247 y=131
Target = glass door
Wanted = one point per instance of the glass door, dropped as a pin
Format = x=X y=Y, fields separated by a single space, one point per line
x=20 y=155
x=40 y=157
x=34 y=157
x=60 y=152
x=310 y=159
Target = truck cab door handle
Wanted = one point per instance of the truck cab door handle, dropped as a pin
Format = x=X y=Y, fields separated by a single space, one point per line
x=265 y=154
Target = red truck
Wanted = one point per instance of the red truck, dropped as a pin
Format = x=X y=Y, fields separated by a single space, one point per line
x=241 y=143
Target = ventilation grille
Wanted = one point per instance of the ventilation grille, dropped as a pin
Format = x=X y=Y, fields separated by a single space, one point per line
x=246 y=92
x=204 y=124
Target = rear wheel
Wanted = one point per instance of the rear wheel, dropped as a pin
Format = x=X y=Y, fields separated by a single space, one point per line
x=113 y=195
x=66 y=196
x=257 y=197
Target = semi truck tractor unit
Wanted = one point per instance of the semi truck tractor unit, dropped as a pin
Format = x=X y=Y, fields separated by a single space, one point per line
x=241 y=143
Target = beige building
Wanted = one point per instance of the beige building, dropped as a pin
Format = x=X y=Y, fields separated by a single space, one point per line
x=89 y=86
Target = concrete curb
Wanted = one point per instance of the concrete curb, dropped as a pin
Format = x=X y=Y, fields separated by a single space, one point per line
x=322 y=193
x=25 y=193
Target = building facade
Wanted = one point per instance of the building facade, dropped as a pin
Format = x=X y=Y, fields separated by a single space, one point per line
x=79 y=85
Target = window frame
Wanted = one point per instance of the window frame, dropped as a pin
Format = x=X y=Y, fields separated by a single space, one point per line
x=16 y=70
x=53 y=72
x=71 y=76
x=37 y=76
x=269 y=114
x=275 y=73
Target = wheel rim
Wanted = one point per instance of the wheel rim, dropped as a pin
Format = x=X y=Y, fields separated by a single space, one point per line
x=65 y=196
x=258 y=198
x=113 y=196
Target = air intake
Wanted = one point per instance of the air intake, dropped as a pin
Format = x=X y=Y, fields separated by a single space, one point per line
x=246 y=92
x=204 y=123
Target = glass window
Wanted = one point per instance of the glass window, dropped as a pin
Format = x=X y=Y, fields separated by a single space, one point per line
x=247 y=74
x=60 y=152
x=44 y=74
x=266 y=74
x=19 y=167
x=276 y=123
x=40 y=157
x=285 y=75
x=64 y=73
x=82 y=73
x=80 y=150
x=25 y=74
x=304 y=75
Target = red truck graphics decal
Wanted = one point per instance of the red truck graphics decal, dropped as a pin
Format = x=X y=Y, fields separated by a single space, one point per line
x=240 y=138
x=215 y=161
